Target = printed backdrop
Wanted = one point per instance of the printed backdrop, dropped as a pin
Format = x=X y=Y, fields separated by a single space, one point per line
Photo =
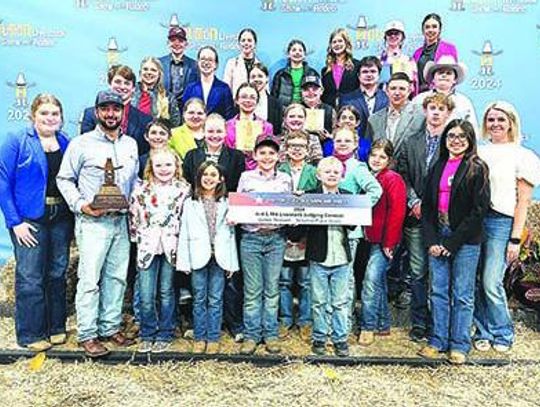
x=66 y=46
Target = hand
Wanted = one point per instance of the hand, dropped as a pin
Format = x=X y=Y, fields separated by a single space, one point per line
x=323 y=134
x=445 y=252
x=24 y=236
x=96 y=213
x=512 y=252
x=388 y=252
x=298 y=193
x=416 y=210
x=229 y=274
x=435 y=250
x=230 y=222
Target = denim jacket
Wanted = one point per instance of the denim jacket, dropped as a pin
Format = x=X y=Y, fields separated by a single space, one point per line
x=23 y=175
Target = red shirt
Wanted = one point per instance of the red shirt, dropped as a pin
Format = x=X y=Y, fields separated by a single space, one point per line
x=389 y=212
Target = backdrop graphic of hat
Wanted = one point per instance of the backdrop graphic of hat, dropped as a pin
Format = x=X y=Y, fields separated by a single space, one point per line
x=445 y=62
x=266 y=140
x=311 y=80
x=107 y=97
x=177 y=32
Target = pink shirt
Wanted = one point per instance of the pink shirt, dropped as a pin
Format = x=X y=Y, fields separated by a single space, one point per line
x=445 y=184
x=337 y=74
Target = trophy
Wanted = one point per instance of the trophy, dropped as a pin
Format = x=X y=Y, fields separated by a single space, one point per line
x=109 y=196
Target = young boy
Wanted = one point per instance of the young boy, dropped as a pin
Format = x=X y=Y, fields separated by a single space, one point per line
x=329 y=256
x=304 y=178
x=261 y=252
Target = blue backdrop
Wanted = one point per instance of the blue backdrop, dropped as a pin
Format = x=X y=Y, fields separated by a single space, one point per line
x=65 y=47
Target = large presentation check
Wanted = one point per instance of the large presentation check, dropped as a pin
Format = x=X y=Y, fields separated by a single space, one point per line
x=305 y=209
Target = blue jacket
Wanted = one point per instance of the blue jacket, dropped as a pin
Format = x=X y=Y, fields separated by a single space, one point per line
x=191 y=74
x=357 y=99
x=137 y=122
x=23 y=176
x=220 y=98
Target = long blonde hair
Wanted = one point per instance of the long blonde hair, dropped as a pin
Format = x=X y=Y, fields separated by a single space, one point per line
x=331 y=57
x=162 y=101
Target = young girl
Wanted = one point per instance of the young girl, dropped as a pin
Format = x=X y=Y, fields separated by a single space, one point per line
x=384 y=235
x=243 y=129
x=294 y=119
x=208 y=248
x=155 y=208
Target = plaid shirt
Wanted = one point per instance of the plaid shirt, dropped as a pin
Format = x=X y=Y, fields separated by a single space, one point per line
x=432 y=141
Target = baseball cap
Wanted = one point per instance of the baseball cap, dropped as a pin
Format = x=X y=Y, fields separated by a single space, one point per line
x=177 y=32
x=106 y=97
x=266 y=140
x=311 y=80
x=394 y=25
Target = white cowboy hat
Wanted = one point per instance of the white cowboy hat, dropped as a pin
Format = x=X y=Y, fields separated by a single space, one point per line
x=446 y=61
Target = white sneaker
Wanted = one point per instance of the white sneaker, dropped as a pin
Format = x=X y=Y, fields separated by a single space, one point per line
x=482 y=345
x=145 y=346
x=239 y=338
x=501 y=348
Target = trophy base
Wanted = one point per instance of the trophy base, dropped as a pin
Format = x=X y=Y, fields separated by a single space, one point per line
x=110 y=198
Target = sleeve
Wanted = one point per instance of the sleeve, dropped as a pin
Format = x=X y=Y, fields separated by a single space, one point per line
x=228 y=74
x=174 y=113
x=88 y=121
x=9 y=152
x=230 y=138
x=397 y=197
x=68 y=175
x=276 y=85
x=183 y=257
x=134 y=215
x=428 y=209
x=229 y=103
x=187 y=168
x=368 y=184
x=528 y=166
x=404 y=170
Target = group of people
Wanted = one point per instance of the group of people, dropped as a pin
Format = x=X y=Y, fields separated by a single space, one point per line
x=449 y=201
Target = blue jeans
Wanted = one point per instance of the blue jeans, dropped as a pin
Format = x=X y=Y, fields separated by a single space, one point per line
x=330 y=286
x=412 y=236
x=375 y=315
x=286 y=297
x=452 y=297
x=40 y=277
x=491 y=316
x=207 y=285
x=103 y=261
x=155 y=287
x=262 y=257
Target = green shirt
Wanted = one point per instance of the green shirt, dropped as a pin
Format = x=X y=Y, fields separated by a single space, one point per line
x=296 y=75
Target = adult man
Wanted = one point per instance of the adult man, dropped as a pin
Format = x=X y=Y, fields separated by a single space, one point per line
x=178 y=69
x=369 y=98
x=400 y=119
x=418 y=154
x=122 y=81
x=102 y=236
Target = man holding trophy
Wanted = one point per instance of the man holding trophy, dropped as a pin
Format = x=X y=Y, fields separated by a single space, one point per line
x=96 y=177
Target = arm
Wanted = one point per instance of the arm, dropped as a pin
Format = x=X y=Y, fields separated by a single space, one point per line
x=524 y=197
x=68 y=176
x=397 y=196
x=368 y=184
x=405 y=172
x=9 y=152
x=134 y=216
x=229 y=104
x=88 y=121
x=183 y=258
x=429 y=208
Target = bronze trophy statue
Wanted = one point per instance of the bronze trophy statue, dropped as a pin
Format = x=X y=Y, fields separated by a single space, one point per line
x=109 y=196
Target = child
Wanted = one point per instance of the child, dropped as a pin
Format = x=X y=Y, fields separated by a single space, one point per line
x=261 y=251
x=304 y=178
x=383 y=235
x=208 y=248
x=329 y=256
x=155 y=208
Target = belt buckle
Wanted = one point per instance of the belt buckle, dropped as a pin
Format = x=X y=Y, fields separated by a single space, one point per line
x=53 y=200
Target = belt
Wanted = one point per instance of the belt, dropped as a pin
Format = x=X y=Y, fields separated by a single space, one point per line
x=53 y=200
x=266 y=232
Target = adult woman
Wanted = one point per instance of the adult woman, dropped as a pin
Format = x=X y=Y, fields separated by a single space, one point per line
x=384 y=235
x=443 y=77
x=287 y=83
x=216 y=94
x=456 y=199
x=392 y=58
x=39 y=222
x=215 y=149
x=294 y=119
x=433 y=48
x=237 y=69
x=513 y=172
x=245 y=127
x=340 y=75
x=268 y=108
x=189 y=135
x=150 y=96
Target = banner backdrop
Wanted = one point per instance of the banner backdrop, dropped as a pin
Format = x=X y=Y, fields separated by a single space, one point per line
x=65 y=47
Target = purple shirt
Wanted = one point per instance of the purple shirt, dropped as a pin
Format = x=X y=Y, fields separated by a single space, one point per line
x=255 y=181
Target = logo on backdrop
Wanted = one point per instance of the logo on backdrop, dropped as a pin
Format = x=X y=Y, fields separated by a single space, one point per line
x=18 y=111
x=493 y=6
x=28 y=35
x=114 y=5
x=486 y=78
x=365 y=33
x=302 y=6
x=113 y=52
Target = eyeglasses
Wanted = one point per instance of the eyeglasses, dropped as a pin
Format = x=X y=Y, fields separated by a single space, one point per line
x=296 y=145
x=454 y=136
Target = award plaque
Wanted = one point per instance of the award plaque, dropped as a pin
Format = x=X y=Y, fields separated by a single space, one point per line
x=109 y=196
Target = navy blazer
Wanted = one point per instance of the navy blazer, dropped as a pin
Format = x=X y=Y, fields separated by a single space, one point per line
x=191 y=73
x=357 y=99
x=220 y=98
x=349 y=83
x=136 y=127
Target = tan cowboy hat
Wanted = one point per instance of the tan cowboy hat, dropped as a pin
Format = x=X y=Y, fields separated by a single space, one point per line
x=446 y=61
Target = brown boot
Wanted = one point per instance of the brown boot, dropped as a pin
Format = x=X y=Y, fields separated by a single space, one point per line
x=119 y=339
x=94 y=348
